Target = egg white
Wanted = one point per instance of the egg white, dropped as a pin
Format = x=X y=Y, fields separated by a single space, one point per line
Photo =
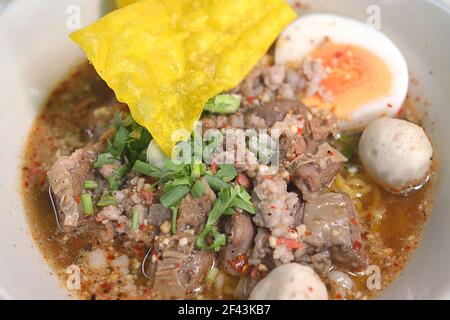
x=306 y=33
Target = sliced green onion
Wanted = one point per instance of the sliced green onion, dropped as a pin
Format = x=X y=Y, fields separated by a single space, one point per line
x=120 y=141
x=174 y=195
x=212 y=275
x=223 y=103
x=243 y=200
x=196 y=171
x=219 y=239
x=179 y=181
x=239 y=203
x=106 y=201
x=242 y=193
x=198 y=189
x=135 y=220
x=90 y=184
x=347 y=144
x=86 y=201
x=118 y=119
x=147 y=169
x=116 y=176
x=221 y=204
x=216 y=184
x=174 y=218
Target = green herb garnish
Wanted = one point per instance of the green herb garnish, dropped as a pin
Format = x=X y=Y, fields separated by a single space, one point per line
x=174 y=195
x=107 y=200
x=135 y=220
x=86 y=201
x=174 y=217
x=118 y=145
x=223 y=103
x=219 y=239
x=90 y=184
x=228 y=200
x=215 y=183
x=227 y=172
x=198 y=189
x=177 y=181
x=128 y=146
x=347 y=144
x=116 y=176
x=147 y=169
x=104 y=159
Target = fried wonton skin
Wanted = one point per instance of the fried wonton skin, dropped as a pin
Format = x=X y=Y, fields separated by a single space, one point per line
x=166 y=59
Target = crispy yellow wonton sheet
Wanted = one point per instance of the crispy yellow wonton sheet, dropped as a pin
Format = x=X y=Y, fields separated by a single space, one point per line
x=166 y=59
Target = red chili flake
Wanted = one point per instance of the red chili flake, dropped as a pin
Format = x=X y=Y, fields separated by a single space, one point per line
x=338 y=54
x=214 y=167
x=354 y=222
x=289 y=243
x=242 y=180
x=369 y=215
x=77 y=199
x=331 y=153
x=110 y=257
x=394 y=190
x=273 y=206
x=356 y=245
x=338 y=296
x=311 y=289
x=399 y=112
x=250 y=99
x=300 y=131
x=240 y=263
x=269 y=177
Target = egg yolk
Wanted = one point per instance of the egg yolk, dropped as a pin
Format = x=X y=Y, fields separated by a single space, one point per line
x=355 y=76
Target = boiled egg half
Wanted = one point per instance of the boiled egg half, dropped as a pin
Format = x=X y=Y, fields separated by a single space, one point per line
x=366 y=75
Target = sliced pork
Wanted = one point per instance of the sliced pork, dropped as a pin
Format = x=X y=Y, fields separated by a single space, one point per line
x=310 y=173
x=240 y=231
x=66 y=178
x=333 y=224
x=193 y=211
x=178 y=268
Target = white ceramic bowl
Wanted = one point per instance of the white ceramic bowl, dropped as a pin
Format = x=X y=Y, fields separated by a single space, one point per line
x=35 y=54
